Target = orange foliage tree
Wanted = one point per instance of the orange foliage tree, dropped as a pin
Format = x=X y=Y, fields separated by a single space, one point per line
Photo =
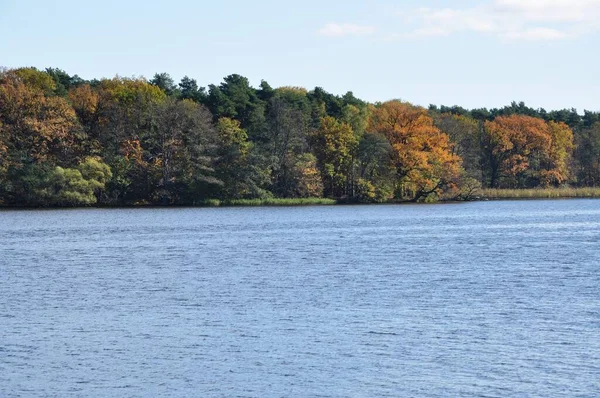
x=421 y=153
x=85 y=102
x=524 y=151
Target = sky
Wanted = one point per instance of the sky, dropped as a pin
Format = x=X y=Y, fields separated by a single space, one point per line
x=483 y=53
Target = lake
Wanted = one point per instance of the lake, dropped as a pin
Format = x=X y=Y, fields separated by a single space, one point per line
x=483 y=299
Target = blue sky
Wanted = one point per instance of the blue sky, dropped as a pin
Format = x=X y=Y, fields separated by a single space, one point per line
x=470 y=53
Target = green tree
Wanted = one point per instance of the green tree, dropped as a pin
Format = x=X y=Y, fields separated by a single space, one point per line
x=376 y=172
x=4 y=164
x=180 y=148
x=334 y=145
x=189 y=89
x=238 y=166
x=43 y=185
x=287 y=139
x=236 y=99
x=64 y=82
x=325 y=104
x=165 y=82
x=587 y=156
x=465 y=135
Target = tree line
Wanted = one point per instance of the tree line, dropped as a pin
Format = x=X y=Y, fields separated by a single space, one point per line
x=67 y=141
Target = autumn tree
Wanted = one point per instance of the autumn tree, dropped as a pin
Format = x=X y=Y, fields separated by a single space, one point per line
x=556 y=168
x=523 y=151
x=35 y=79
x=124 y=111
x=85 y=101
x=421 y=153
x=37 y=128
x=510 y=143
x=65 y=141
x=126 y=116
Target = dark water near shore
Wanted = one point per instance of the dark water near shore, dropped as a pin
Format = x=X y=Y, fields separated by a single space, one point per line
x=488 y=299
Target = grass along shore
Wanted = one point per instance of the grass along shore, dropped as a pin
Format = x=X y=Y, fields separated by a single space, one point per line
x=481 y=194
x=270 y=202
x=541 y=193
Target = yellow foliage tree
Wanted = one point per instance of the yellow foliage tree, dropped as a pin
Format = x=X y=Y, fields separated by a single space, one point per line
x=335 y=144
x=37 y=128
x=561 y=149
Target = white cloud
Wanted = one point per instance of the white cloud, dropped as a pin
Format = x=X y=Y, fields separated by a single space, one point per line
x=536 y=34
x=345 y=29
x=510 y=19
x=548 y=10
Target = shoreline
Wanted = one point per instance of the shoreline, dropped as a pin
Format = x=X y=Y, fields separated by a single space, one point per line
x=482 y=196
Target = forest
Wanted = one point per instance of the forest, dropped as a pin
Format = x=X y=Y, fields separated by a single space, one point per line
x=66 y=141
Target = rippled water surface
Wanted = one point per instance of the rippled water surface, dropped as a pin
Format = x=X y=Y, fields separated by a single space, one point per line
x=489 y=299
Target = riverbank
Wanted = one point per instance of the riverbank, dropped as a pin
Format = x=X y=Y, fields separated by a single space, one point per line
x=483 y=194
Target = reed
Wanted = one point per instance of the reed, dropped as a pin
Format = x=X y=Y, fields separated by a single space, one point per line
x=541 y=193
x=280 y=202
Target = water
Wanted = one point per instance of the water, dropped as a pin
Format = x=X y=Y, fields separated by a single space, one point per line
x=488 y=299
